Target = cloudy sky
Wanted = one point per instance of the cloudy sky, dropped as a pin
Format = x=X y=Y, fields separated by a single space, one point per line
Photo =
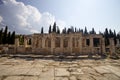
x=28 y=16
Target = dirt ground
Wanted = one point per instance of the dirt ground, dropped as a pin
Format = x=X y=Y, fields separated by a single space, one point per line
x=58 y=69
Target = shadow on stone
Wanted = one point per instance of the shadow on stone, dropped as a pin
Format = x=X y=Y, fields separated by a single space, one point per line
x=60 y=57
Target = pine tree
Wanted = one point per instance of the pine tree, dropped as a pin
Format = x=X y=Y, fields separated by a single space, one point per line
x=101 y=33
x=64 y=31
x=118 y=36
x=79 y=30
x=1 y=35
x=12 y=38
x=50 y=29
x=68 y=30
x=21 y=39
x=42 y=30
x=75 y=29
x=4 y=40
x=111 y=35
x=58 y=30
x=115 y=37
x=93 y=31
x=54 y=27
x=72 y=29
x=85 y=32
x=9 y=38
x=106 y=35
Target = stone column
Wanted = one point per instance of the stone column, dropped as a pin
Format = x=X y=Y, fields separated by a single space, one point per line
x=25 y=42
x=103 y=45
x=43 y=42
x=17 y=42
x=40 y=43
x=80 y=44
x=112 y=46
x=70 y=44
x=91 y=44
x=85 y=42
x=61 y=44
x=52 y=45
x=33 y=43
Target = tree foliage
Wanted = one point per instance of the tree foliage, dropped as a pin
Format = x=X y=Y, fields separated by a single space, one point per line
x=93 y=31
x=6 y=37
x=50 y=29
x=54 y=27
x=58 y=30
x=85 y=32
x=42 y=30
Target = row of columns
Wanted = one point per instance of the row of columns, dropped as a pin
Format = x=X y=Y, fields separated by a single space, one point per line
x=70 y=46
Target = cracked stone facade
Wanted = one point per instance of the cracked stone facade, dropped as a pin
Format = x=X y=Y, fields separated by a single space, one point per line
x=67 y=44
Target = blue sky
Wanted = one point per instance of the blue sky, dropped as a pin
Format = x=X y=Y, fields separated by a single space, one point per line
x=80 y=13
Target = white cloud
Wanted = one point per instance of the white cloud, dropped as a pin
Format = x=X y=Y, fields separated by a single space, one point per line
x=1 y=19
x=25 y=18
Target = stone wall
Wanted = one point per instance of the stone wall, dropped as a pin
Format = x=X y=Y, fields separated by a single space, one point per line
x=68 y=44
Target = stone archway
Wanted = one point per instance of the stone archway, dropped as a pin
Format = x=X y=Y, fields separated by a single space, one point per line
x=48 y=42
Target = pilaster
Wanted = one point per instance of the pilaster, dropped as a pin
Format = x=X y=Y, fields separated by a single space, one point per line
x=52 y=45
x=25 y=42
x=61 y=44
x=91 y=44
x=80 y=44
x=17 y=42
x=43 y=42
x=70 y=44
x=112 y=46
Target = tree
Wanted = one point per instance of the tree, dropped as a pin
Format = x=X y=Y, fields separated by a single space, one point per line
x=106 y=35
x=101 y=33
x=4 y=40
x=64 y=31
x=75 y=29
x=72 y=29
x=21 y=39
x=58 y=30
x=110 y=35
x=69 y=30
x=1 y=35
x=9 y=38
x=93 y=31
x=118 y=36
x=85 y=32
x=42 y=30
x=115 y=37
x=13 y=38
x=81 y=30
x=54 y=27
x=50 y=29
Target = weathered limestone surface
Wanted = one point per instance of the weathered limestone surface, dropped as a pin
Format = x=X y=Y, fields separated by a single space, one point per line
x=69 y=44
x=61 y=72
x=43 y=69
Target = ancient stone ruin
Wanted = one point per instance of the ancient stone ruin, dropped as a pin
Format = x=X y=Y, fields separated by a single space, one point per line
x=67 y=44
